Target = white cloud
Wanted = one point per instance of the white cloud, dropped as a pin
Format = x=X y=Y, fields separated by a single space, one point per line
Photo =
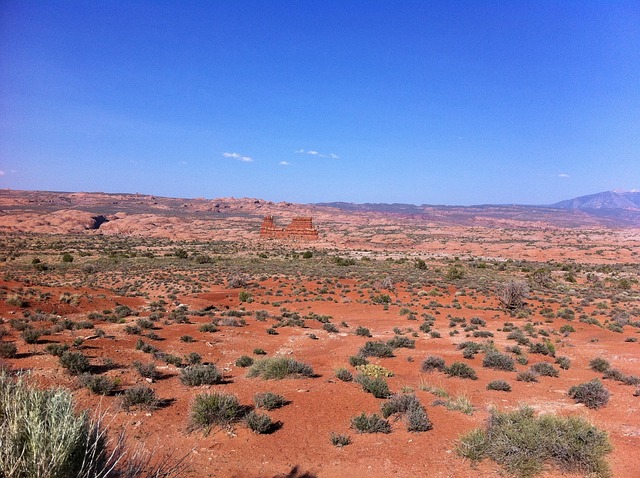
x=313 y=152
x=563 y=175
x=284 y=163
x=2 y=173
x=183 y=162
x=238 y=156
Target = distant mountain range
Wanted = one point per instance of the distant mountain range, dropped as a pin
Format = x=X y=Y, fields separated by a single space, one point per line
x=615 y=208
x=604 y=200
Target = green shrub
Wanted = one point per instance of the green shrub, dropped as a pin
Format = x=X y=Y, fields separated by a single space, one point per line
x=343 y=374
x=599 y=364
x=146 y=370
x=563 y=362
x=31 y=336
x=545 y=369
x=500 y=385
x=208 y=328
x=522 y=443
x=244 y=361
x=432 y=363
x=97 y=384
x=401 y=342
x=196 y=375
x=259 y=352
x=498 y=361
x=216 y=408
x=75 y=362
x=338 y=440
x=259 y=423
x=269 y=400
x=277 y=368
x=376 y=386
x=527 y=376
x=8 y=350
x=462 y=370
x=362 y=331
x=356 y=360
x=42 y=436
x=592 y=394
x=376 y=349
x=140 y=396
x=330 y=328
x=399 y=403
x=370 y=424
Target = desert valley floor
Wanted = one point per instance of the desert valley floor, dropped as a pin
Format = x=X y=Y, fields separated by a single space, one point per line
x=161 y=286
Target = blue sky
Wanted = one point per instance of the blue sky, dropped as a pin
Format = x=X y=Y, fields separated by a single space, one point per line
x=308 y=101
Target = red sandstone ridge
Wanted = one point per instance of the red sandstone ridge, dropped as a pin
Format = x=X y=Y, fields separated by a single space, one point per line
x=300 y=228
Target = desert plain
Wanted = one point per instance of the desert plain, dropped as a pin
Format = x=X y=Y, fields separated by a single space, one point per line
x=145 y=287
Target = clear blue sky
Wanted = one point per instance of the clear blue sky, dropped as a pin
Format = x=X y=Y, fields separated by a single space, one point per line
x=435 y=102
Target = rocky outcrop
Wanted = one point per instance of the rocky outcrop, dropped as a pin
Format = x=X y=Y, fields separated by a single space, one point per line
x=299 y=228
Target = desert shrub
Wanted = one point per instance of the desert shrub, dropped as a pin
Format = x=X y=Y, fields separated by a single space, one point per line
x=75 y=362
x=545 y=369
x=432 y=363
x=599 y=364
x=615 y=374
x=187 y=338
x=513 y=294
x=146 y=370
x=8 y=350
x=563 y=362
x=208 y=328
x=259 y=423
x=401 y=342
x=272 y=331
x=522 y=443
x=566 y=329
x=277 y=368
x=356 y=360
x=483 y=334
x=376 y=386
x=592 y=394
x=244 y=361
x=140 y=396
x=343 y=374
x=462 y=370
x=31 y=336
x=417 y=419
x=259 y=351
x=500 y=385
x=269 y=400
x=193 y=358
x=376 y=349
x=245 y=296
x=338 y=440
x=144 y=323
x=97 y=384
x=209 y=409
x=527 y=376
x=399 y=403
x=170 y=359
x=498 y=361
x=543 y=348
x=374 y=370
x=362 y=331
x=42 y=436
x=330 y=328
x=364 y=423
x=132 y=330
x=196 y=375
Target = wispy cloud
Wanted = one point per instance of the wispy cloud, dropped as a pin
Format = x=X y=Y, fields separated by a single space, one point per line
x=2 y=173
x=563 y=175
x=313 y=152
x=284 y=163
x=238 y=157
x=183 y=163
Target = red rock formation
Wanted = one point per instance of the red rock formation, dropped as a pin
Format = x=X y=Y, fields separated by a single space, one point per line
x=300 y=228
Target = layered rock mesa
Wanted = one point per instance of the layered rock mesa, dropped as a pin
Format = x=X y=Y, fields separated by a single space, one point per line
x=300 y=228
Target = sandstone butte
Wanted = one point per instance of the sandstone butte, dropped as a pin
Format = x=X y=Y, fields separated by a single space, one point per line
x=299 y=228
